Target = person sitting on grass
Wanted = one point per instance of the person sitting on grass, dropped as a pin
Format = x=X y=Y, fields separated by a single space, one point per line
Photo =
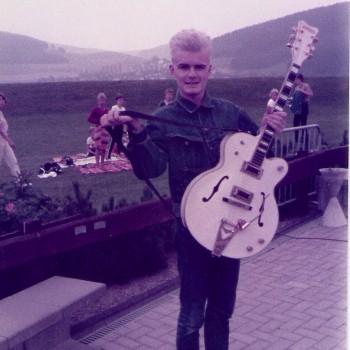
x=90 y=143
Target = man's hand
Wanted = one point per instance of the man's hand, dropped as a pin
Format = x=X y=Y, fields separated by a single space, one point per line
x=276 y=120
x=113 y=118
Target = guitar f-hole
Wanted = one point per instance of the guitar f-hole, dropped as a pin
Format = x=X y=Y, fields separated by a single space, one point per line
x=262 y=208
x=215 y=189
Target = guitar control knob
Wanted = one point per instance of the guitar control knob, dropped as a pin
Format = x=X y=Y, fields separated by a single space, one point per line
x=280 y=168
x=249 y=249
x=261 y=241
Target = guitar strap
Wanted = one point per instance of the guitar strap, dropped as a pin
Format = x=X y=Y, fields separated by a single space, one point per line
x=154 y=189
x=154 y=118
x=122 y=148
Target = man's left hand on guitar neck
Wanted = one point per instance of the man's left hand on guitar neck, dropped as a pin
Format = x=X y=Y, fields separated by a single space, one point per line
x=276 y=120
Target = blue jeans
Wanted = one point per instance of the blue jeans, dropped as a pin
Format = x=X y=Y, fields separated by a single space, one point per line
x=207 y=294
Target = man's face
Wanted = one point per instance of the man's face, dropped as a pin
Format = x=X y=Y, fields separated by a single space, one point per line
x=191 y=71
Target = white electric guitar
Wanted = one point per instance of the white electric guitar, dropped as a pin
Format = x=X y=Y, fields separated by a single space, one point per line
x=231 y=209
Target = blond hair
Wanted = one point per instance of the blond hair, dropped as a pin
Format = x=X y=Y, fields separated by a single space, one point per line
x=101 y=94
x=272 y=92
x=190 y=40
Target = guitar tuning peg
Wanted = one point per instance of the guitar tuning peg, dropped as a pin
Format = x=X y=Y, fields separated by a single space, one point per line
x=294 y=29
x=289 y=45
x=315 y=39
x=309 y=57
x=292 y=37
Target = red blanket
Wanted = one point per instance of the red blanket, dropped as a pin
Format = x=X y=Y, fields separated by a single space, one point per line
x=87 y=165
x=113 y=166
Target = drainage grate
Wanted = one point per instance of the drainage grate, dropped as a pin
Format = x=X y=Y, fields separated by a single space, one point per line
x=128 y=318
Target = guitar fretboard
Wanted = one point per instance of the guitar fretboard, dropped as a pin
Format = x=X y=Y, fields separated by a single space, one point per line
x=268 y=133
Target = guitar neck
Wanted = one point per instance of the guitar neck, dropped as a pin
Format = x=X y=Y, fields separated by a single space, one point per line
x=267 y=133
x=286 y=88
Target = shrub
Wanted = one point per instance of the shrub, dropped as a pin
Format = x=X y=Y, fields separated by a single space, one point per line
x=111 y=205
x=147 y=195
x=79 y=204
x=20 y=201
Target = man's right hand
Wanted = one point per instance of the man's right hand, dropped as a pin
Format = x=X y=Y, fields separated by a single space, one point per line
x=113 y=118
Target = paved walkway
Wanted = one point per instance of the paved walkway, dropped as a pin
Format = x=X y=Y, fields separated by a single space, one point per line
x=291 y=296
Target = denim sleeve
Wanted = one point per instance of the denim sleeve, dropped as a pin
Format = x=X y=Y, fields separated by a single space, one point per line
x=245 y=123
x=147 y=153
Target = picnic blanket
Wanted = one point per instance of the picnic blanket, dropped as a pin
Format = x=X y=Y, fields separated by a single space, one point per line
x=87 y=165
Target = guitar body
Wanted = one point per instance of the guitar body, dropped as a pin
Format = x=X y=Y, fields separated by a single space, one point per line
x=249 y=193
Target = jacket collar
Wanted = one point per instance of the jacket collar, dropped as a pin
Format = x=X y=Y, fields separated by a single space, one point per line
x=189 y=106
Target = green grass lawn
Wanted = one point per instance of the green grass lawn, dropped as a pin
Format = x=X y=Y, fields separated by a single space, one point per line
x=57 y=135
x=48 y=120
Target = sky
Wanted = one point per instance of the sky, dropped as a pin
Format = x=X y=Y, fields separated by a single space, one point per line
x=127 y=25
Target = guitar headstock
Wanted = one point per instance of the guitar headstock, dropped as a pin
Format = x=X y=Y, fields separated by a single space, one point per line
x=303 y=42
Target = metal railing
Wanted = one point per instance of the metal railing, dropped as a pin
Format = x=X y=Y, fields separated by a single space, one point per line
x=290 y=143
x=306 y=138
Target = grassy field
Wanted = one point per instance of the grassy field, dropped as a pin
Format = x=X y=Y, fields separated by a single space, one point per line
x=49 y=119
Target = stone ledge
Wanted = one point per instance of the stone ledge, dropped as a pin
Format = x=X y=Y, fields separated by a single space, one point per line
x=43 y=307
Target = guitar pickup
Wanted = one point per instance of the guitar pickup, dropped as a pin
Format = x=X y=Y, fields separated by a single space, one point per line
x=252 y=170
x=242 y=195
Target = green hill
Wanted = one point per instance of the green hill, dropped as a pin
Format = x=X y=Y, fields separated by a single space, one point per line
x=255 y=51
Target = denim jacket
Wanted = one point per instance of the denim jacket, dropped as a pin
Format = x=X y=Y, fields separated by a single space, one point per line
x=186 y=151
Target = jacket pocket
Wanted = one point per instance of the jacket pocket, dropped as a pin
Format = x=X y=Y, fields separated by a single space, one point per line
x=187 y=155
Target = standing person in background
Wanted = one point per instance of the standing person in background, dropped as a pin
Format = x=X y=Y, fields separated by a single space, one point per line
x=6 y=144
x=207 y=284
x=168 y=97
x=100 y=134
x=119 y=103
x=300 y=102
x=117 y=132
x=272 y=101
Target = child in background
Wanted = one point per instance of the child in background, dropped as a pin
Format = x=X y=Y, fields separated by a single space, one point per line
x=90 y=143
x=168 y=97
x=272 y=101
x=117 y=132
